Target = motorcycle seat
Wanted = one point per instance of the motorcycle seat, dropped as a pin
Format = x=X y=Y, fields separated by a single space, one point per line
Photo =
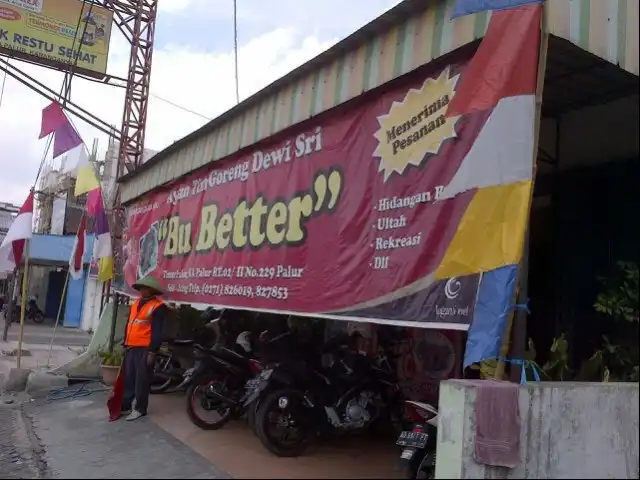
x=182 y=342
x=203 y=349
x=229 y=355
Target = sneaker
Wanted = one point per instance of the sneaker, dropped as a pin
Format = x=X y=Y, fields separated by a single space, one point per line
x=134 y=415
x=124 y=413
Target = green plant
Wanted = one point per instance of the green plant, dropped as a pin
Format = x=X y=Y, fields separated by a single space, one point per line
x=111 y=359
x=557 y=368
x=619 y=302
x=619 y=299
x=617 y=358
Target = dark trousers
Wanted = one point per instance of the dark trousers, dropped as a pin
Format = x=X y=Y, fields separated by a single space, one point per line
x=137 y=379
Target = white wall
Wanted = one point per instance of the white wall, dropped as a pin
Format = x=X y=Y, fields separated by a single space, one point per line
x=91 y=304
x=568 y=430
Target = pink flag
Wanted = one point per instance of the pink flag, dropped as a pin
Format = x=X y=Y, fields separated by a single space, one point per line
x=65 y=138
x=53 y=117
x=94 y=202
x=77 y=255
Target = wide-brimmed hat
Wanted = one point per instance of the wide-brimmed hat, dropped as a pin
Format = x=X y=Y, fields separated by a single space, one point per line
x=149 y=282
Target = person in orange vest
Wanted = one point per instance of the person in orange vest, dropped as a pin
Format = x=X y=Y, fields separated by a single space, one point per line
x=142 y=339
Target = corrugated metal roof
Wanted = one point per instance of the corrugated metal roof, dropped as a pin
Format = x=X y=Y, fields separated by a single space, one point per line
x=605 y=28
x=56 y=249
x=287 y=102
x=408 y=36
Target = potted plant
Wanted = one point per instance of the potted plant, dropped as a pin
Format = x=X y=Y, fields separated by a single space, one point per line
x=111 y=363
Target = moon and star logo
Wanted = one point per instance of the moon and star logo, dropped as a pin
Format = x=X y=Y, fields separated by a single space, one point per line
x=452 y=288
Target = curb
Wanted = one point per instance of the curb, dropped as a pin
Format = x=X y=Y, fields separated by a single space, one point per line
x=41 y=383
x=17 y=380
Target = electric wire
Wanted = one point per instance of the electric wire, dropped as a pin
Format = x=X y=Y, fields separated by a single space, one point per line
x=4 y=79
x=235 y=49
x=179 y=106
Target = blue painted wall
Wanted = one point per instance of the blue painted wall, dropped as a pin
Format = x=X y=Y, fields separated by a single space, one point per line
x=56 y=248
x=75 y=300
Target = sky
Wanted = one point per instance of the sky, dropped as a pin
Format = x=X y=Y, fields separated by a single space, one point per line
x=192 y=67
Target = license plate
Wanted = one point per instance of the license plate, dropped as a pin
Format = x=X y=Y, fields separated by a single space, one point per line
x=412 y=439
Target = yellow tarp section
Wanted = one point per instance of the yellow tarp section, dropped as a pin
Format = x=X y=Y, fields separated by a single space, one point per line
x=491 y=232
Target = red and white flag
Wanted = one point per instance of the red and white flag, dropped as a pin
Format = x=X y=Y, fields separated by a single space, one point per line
x=77 y=254
x=12 y=248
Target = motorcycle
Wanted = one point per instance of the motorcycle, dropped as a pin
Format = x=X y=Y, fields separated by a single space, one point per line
x=168 y=370
x=418 y=457
x=32 y=312
x=221 y=376
x=280 y=353
x=349 y=393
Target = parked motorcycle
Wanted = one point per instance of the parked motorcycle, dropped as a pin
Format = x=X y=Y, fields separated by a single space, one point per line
x=169 y=370
x=418 y=457
x=32 y=312
x=219 y=381
x=348 y=393
x=283 y=353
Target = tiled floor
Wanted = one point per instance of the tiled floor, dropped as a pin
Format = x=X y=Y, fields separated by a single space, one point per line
x=236 y=450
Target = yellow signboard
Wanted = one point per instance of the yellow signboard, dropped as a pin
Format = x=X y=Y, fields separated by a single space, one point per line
x=44 y=31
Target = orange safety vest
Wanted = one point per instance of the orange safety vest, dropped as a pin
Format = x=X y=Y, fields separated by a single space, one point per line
x=139 y=325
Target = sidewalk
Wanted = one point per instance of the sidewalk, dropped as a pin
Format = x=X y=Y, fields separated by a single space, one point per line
x=236 y=449
x=36 y=339
x=78 y=441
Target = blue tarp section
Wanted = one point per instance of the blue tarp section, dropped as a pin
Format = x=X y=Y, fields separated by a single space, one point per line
x=467 y=7
x=494 y=305
x=55 y=249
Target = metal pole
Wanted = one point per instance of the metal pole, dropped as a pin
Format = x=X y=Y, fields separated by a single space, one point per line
x=519 y=330
x=55 y=327
x=11 y=301
x=102 y=300
x=25 y=288
x=114 y=318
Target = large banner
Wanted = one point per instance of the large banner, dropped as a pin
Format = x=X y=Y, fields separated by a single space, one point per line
x=343 y=218
x=44 y=31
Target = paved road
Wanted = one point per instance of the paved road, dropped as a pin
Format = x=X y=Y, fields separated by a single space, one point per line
x=18 y=457
x=41 y=334
x=79 y=442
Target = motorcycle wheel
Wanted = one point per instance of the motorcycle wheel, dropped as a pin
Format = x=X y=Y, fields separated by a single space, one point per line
x=37 y=317
x=193 y=401
x=252 y=411
x=294 y=413
x=158 y=384
x=420 y=470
